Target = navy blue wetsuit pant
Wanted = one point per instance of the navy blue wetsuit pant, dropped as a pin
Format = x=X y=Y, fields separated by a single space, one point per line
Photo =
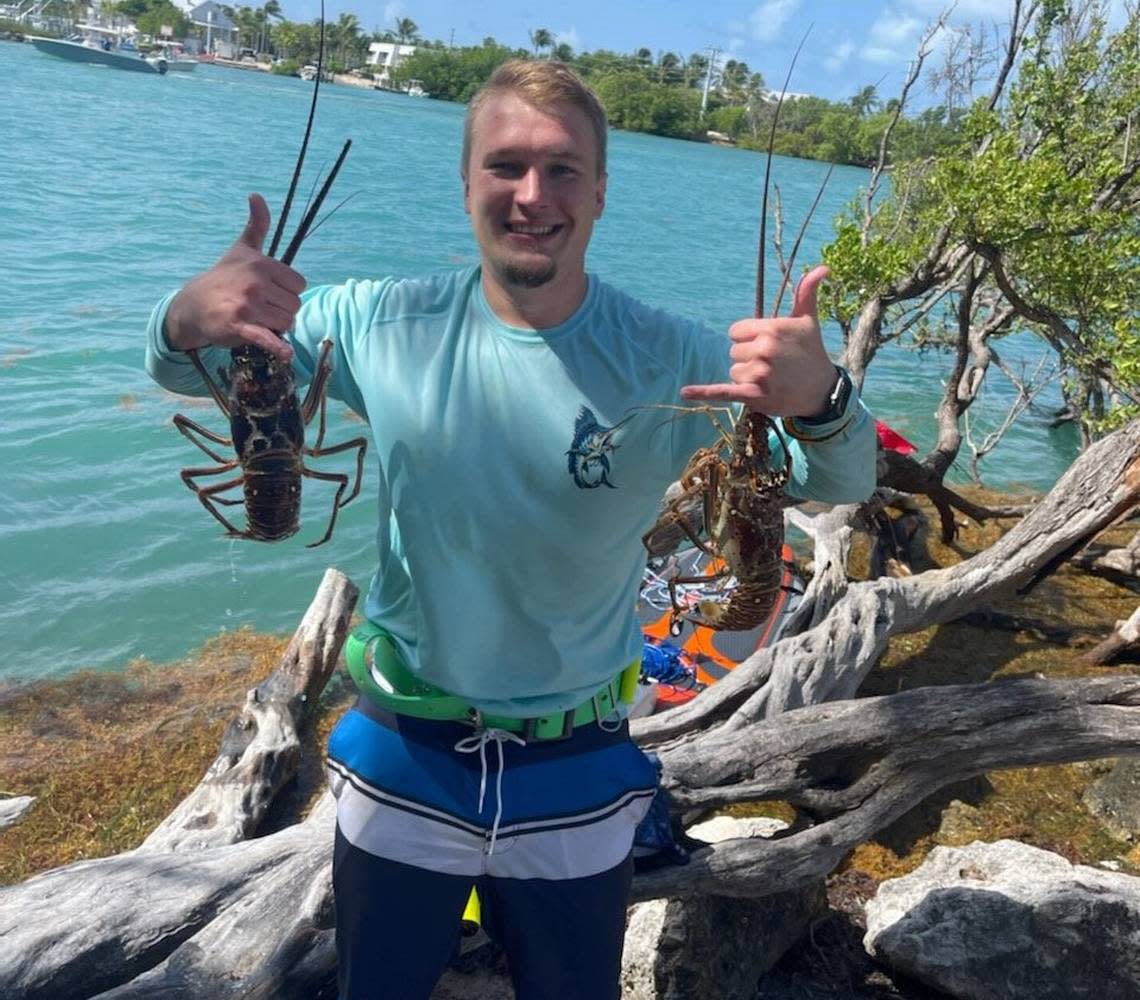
x=426 y=810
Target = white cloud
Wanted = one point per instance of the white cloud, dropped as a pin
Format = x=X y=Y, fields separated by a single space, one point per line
x=569 y=36
x=876 y=54
x=839 y=56
x=894 y=28
x=968 y=10
x=892 y=37
x=769 y=18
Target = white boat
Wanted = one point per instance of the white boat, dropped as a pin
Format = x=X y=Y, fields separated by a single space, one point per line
x=177 y=61
x=307 y=72
x=100 y=46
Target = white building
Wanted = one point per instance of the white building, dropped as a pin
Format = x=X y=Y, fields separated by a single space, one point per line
x=218 y=32
x=385 y=57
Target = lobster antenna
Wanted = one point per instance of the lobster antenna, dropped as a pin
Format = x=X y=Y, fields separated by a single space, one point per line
x=304 y=142
x=330 y=213
x=311 y=214
x=799 y=239
x=313 y=187
x=767 y=176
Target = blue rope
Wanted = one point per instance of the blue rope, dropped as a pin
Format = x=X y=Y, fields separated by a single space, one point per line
x=662 y=662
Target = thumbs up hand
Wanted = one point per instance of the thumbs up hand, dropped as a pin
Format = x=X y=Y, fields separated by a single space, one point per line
x=780 y=367
x=245 y=298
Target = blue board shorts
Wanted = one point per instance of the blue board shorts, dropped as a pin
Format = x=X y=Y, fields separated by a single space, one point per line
x=428 y=809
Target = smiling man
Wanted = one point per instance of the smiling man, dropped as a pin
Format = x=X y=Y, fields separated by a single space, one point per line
x=520 y=460
x=534 y=184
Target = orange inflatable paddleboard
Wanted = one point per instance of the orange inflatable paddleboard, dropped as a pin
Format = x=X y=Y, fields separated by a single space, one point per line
x=707 y=655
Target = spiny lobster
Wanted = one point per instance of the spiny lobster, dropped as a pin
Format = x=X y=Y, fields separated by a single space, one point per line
x=258 y=394
x=738 y=488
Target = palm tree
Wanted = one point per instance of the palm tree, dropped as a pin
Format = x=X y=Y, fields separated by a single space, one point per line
x=406 y=30
x=247 y=24
x=261 y=20
x=270 y=9
x=695 y=69
x=733 y=81
x=562 y=52
x=668 y=67
x=286 y=38
x=347 y=34
x=866 y=101
x=540 y=38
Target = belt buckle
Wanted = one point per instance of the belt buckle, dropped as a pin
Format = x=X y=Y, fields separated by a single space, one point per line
x=530 y=727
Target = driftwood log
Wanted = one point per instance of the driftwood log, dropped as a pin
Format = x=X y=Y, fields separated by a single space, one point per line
x=1124 y=636
x=254 y=918
x=200 y=910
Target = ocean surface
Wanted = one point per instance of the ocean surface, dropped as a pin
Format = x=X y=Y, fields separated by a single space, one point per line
x=119 y=186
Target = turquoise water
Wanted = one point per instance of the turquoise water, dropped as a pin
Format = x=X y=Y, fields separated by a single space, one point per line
x=118 y=186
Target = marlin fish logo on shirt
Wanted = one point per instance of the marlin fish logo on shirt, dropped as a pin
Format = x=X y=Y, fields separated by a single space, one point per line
x=588 y=457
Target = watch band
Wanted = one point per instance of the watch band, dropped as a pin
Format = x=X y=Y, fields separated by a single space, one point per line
x=837 y=401
x=808 y=429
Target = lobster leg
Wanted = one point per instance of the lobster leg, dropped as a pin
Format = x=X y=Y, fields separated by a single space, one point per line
x=315 y=397
x=361 y=446
x=206 y=494
x=681 y=614
x=186 y=425
x=314 y=404
x=682 y=523
x=329 y=477
x=219 y=396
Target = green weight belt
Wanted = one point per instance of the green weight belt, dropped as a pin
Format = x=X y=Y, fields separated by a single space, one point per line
x=378 y=672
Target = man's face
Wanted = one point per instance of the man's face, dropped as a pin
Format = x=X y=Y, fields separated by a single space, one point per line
x=532 y=190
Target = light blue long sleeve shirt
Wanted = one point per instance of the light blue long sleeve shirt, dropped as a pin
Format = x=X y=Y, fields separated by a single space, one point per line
x=519 y=470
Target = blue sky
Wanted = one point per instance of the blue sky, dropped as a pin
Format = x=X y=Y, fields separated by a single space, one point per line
x=852 y=43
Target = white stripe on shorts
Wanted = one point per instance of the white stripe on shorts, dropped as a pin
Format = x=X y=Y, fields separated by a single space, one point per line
x=408 y=832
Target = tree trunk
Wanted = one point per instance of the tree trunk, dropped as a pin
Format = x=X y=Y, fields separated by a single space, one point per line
x=261 y=749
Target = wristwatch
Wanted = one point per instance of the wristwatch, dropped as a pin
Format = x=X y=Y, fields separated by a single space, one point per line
x=837 y=401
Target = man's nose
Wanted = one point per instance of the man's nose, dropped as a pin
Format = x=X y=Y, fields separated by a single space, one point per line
x=531 y=189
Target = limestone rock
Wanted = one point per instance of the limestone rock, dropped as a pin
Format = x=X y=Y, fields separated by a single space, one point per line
x=714 y=946
x=711 y=946
x=12 y=809
x=1115 y=799
x=961 y=823
x=713 y=831
x=1006 y=921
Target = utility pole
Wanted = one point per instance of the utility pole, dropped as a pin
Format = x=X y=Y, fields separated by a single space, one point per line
x=713 y=53
x=451 y=40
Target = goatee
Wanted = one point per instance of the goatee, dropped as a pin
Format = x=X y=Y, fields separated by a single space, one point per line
x=526 y=276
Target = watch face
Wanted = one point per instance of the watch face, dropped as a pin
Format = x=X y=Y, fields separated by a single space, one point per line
x=840 y=394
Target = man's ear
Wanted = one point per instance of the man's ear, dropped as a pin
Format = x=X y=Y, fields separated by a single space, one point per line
x=466 y=193
x=600 y=197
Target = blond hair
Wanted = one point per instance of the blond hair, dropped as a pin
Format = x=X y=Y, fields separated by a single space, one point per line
x=544 y=85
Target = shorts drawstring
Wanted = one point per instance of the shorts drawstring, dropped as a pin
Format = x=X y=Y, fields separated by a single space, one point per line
x=478 y=743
